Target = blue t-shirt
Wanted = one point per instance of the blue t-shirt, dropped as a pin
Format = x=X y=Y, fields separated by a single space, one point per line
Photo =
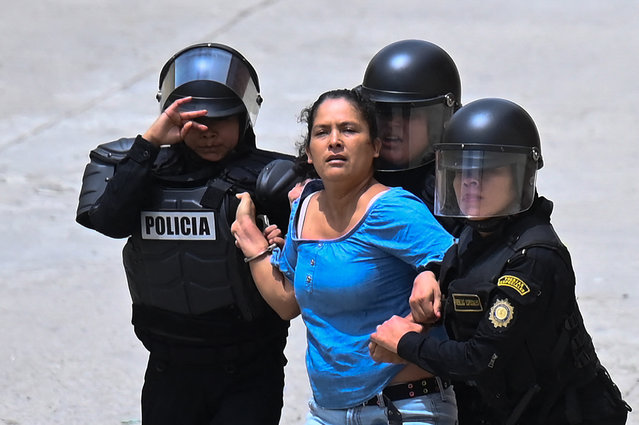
x=347 y=286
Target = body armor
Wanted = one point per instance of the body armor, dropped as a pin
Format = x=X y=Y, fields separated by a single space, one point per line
x=551 y=360
x=181 y=257
x=97 y=173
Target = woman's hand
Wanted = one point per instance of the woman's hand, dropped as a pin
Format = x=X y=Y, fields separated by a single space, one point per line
x=172 y=125
x=248 y=237
x=274 y=287
x=246 y=208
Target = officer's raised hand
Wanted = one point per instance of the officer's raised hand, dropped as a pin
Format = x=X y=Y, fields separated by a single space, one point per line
x=172 y=125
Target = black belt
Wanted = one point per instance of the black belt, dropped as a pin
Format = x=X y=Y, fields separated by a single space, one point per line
x=410 y=390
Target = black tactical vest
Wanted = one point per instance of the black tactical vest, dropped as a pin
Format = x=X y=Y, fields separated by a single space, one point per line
x=469 y=289
x=183 y=257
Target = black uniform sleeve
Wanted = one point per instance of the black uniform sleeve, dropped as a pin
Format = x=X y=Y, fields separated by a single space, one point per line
x=432 y=266
x=116 y=212
x=514 y=313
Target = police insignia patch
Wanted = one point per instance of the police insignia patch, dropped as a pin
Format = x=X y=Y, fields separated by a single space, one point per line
x=514 y=282
x=501 y=313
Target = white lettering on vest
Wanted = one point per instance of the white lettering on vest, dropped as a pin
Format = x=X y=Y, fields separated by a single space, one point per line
x=178 y=225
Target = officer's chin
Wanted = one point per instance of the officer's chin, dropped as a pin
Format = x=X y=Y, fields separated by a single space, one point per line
x=212 y=156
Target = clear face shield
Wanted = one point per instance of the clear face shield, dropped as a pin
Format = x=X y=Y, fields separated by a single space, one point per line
x=481 y=183
x=408 y=132
x=218 y=80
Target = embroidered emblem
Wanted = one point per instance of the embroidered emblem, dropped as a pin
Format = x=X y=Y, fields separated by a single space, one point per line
x=514 y=282
x=467 y=302
x=501 y=313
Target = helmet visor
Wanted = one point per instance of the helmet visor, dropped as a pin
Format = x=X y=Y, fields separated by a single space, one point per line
x=476 y=183
x=219 y=81
x=408 y=133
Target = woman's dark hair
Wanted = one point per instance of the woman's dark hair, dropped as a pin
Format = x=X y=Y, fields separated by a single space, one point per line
x=361 y=103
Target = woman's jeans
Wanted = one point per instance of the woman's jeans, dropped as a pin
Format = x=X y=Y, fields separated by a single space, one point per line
x=432 y=409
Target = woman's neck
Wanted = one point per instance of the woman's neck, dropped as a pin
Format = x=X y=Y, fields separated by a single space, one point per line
x=342 y=207
x=337 y=196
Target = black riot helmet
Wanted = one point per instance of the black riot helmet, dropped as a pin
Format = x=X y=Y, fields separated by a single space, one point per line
x=218 y=78
x=487 y=163
x=416 y=88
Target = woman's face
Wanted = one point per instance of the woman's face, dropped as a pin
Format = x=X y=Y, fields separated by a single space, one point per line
x=215 y=143
x=340 y=145
x=484 y=193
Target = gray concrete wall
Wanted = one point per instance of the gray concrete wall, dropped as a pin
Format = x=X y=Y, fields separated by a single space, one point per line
x=75 y=73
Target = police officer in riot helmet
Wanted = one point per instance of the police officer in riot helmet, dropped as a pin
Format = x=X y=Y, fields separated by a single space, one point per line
x=519 y=351
x=416 y=88
x=216 y=348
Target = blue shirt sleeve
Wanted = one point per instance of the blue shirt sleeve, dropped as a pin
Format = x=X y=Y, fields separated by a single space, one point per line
x=405 y=228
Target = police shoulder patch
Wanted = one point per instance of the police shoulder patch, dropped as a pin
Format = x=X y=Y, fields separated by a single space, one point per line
x=501 y=313
x=514 y=282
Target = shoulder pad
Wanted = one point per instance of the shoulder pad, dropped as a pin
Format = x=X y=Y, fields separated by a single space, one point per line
x=112 y=152
x=97 y=174
x=275 y=180
x=273 y=183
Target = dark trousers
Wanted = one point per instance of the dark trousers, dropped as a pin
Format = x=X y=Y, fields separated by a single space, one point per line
x=209 y=387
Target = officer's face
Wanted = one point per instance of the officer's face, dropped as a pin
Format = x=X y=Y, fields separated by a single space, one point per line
x=215 y=143
x=484 y=193
x=404 y=134
x=340 y=146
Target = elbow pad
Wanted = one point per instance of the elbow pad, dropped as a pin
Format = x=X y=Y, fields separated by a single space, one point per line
x=97 y=174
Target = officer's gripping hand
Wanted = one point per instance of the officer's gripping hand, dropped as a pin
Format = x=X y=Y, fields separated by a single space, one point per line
x=273 y=235
x=296 y=191
x=382 y=355
x=172 y=126
x=388 y=334
x=425 y=298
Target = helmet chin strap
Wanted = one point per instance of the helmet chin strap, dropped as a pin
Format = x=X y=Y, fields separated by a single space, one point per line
x=247 y=135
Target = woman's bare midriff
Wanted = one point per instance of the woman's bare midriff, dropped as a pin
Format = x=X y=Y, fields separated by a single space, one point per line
x=410 y=373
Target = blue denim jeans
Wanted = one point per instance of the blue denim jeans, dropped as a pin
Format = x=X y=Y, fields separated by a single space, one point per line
x=431 y=409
